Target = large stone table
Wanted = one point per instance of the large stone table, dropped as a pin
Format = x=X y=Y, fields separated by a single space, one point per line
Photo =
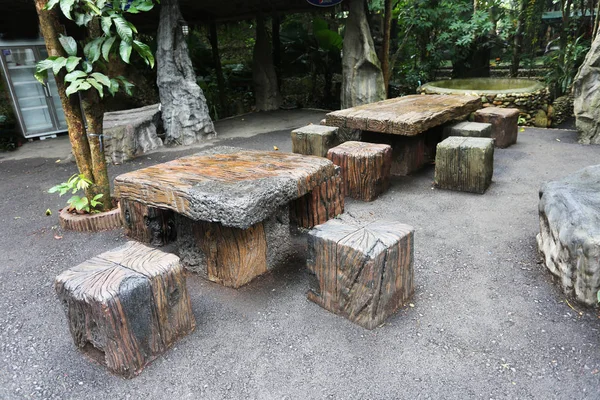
x=228 y=209
x=412 y=125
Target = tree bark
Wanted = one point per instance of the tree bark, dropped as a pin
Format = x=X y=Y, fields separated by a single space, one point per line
x=266 y=91
x=385 y=48
x=50 y=28
x=518 y=40
x=214 y=43
x=184 y=110
x=362 y=79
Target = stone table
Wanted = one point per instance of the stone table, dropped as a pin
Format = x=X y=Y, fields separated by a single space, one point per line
x=227 y=209
x=412 y=125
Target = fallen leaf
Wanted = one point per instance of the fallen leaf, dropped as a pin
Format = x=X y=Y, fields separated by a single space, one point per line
x=17 y=217
x=411 y=305
x=48 y=212
x=57 y=237
x=275 y=148
x=57 y=161
x=557 y=139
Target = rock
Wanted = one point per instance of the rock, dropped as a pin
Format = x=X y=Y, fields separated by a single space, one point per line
x=563 y=109
x=541 y=119
x=569 y=238
x=586 y=88
x=131 y=133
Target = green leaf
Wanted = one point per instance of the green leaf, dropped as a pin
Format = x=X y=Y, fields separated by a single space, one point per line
x=65 y=6
x=73 y=87
x=98 y=196
x=114 y=87
x=84 y=86
x=44 y=65
x=145 y=6
x=87 y=66
x=107 y=46
x=69 y=44
x=96 y=86
x=90 y=5
x=125 y=51
x=50 y=4
x=92 y=49
x=144 y=51
x=41 y=76
x=132 y=27
x=106 y=23
x=82 y=19
x=59 y=63
x=123 y=29
x=101 y=78
x=72 y=76
x=71 y=63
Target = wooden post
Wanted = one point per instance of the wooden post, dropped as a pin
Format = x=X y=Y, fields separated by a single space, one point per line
x=214 y=43
x=146 y=224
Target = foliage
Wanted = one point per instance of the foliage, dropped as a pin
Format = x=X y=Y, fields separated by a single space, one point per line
x=76 y=202
x=85 y=69
x=563 y=65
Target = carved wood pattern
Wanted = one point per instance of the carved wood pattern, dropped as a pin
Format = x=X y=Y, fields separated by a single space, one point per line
x=320 y=205
x=147 y=224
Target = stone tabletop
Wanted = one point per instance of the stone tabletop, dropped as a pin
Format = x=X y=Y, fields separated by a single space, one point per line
x=232 y=186
x=407 y=116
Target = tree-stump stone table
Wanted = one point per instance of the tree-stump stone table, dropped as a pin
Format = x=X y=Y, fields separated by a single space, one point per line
x=362 y=272
x=365 y=168
x=126 y=306
x=412 y=125
x=464 y=164
x=228 y=207
x=314 y=140
x=505 y=124
x=468 y=129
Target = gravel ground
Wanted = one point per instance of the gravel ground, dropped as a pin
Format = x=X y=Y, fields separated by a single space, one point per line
x=487 y=320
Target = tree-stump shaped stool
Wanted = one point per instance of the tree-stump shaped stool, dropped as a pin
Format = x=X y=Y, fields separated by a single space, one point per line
x=468 y=129
x=314 y=140
x=464 y=164
x=364 y=273
x=504 y=122
x=365 y=168
x=126 y=306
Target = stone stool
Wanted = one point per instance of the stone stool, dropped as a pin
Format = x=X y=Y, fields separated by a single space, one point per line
x=365 y=168
x=314 y=140
x=362 y=272
x=504 y=124
x=465 y=164
x=126 y=306
x=468 y=129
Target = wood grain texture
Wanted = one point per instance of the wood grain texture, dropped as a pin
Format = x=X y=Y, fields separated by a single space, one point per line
x=365 y=168
x=323 y=203
x=235 y=187
x=464 y=164
x=364 y=273
x=504 y=122
x=314 y=140
x=146 y=224
x=126 y=306
x=407 y=116
x=90 y=222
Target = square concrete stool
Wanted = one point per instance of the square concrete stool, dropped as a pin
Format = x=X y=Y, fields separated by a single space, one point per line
x=468 y=129
x=126 y=306
x=464 y=164
x=314 y=140
x=504 y=124
x=362 y=272
x=365 y=168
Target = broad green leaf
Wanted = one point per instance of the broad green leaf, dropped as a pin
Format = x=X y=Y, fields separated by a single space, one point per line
x=59 y=63
x=69 y=44
x=125 y=51
x=98 y=196
x=92 y=49
x=41 y=76
x=82 y=19
x=84 y=86
x=107 y=46
x=133 y=10
x=145 y=6
x=114 y=87
x=50 y=4
x=91 y=6
x=103 y=79
x=87 y=66
x=44 y=65
x=132 y=27
x=123 y=29
x=96 y=86
x=144 y=51
x=106 y=23
x=73 y=87
x=72 y=76
x=65 y=6
x=71 y=63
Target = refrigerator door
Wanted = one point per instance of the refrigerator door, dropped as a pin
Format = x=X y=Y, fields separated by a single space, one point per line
x=56 y=105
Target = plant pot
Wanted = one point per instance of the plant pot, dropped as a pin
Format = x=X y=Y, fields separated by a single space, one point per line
x=102 y=221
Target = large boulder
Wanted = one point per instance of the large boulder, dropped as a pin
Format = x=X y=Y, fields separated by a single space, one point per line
x=130 y=133
x=586 y=89
x=569 y=238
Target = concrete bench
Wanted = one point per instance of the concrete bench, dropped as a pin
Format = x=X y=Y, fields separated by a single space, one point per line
x=505 y=124
x=468 y=129
x=365 y=168
x=465 y=164
x=362 y=272
x=314 y=140
x=126 y=306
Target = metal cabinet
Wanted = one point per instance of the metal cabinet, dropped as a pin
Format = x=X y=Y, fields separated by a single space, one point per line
x=37 y=107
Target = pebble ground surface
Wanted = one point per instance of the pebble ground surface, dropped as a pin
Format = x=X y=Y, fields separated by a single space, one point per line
x=487 y=320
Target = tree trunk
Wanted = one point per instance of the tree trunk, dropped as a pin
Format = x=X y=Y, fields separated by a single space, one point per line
x=362 y=79
x=214 y=43
x=50 y=28
x=385 y=48
x=275 y=28
x=93 y=111
x=184 y=110
x=518 y=40
x=266 y=92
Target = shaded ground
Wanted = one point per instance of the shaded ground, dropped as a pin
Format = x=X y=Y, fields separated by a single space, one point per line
x=487 y=322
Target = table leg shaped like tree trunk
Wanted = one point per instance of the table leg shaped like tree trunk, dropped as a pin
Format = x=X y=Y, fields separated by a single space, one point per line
x=323 y=203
